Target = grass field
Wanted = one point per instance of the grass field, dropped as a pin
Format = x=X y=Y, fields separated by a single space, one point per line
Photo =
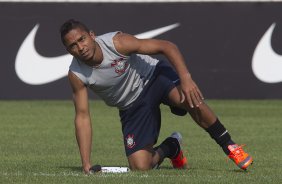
x=37 y=144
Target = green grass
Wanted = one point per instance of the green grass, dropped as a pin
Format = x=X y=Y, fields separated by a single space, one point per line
x=37 y=144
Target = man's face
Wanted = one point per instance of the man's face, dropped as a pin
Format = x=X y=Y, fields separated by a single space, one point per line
x=80 y=44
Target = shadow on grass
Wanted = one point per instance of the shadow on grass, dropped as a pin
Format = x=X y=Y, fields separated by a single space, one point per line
x=168 y=168
x=191 y=168
x=79 y=169
x=219 y=170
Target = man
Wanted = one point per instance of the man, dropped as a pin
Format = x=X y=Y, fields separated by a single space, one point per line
x=118 y=68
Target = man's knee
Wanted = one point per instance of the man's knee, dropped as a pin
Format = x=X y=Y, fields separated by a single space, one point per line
x=138 y=166
x=141 y=160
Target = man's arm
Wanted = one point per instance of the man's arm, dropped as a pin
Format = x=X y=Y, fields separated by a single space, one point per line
x=83 y=127
x=127 y=44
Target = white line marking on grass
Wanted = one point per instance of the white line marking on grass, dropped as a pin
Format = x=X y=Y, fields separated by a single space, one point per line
x=99 y=175
x=41 y=174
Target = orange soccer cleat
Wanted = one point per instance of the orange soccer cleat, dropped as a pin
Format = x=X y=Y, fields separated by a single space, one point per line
x=239 y=156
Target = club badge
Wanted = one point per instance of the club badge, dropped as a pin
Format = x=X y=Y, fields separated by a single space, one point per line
x=120 y=65
x=130 y=141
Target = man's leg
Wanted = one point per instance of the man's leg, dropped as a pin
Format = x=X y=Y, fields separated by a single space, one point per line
x=144 y=159
x=205 y=118
x=150 y=158
x=171 y=148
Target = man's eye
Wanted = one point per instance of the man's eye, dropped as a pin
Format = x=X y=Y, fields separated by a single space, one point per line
x=82 y=39
x=72 y=47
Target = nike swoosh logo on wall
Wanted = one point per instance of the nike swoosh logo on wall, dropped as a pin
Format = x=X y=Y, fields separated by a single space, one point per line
x=34 y=69
x=266 y=64
x=156 y=32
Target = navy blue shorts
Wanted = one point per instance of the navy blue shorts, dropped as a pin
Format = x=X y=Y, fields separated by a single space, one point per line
x=141 y=122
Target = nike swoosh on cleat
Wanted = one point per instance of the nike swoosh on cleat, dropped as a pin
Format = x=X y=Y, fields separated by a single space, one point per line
x=266 y=64
x=34 y=69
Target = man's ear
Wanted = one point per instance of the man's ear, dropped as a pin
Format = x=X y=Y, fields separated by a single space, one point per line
x=92 y=34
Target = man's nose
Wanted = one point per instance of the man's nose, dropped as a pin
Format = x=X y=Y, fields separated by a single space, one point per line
x=80 y=47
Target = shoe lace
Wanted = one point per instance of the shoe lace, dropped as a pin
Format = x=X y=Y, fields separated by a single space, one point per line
x=237 y=153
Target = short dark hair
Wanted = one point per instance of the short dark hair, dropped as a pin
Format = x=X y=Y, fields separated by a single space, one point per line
x=70 y=25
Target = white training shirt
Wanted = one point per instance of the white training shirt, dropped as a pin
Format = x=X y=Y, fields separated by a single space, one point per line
x=119 y=79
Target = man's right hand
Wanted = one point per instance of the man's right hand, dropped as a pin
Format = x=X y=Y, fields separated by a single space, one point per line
x=86 y=169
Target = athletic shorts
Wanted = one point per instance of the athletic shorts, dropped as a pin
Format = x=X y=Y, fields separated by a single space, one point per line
x=141 y=122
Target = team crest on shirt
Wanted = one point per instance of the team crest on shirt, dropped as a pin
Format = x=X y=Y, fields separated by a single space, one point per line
x=120 y=65
x=130 y=141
